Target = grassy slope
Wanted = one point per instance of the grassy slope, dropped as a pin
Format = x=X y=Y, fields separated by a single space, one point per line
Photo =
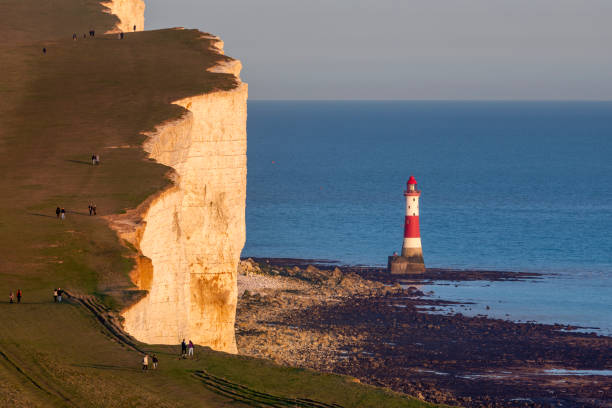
x=57 y=109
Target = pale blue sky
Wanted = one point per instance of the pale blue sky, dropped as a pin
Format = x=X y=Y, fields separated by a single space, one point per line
x=409 y=49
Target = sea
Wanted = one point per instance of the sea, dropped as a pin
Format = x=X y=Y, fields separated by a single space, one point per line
x=508 y=186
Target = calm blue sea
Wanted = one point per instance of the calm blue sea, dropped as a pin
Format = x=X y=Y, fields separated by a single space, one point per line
x=521 y=186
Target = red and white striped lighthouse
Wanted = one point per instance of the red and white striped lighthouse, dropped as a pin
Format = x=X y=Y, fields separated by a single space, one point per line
x=411 y=260
x=412 y=236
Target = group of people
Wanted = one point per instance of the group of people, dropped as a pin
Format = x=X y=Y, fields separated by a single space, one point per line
x=95 y=159
x=12 y=296
x=60 y=212
x=92 y=33
x=57 y=295
x=145 y=361
x=187 y=349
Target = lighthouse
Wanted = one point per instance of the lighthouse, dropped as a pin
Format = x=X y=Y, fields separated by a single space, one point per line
x=411 y=259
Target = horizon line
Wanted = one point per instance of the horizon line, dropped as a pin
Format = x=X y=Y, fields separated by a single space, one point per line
x=428 y=100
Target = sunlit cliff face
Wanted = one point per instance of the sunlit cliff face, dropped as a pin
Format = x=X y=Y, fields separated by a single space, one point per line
x=129 y=12
x=195 y=231
x=190 y=236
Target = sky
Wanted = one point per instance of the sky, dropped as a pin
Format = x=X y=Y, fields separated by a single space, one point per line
x=409 y=49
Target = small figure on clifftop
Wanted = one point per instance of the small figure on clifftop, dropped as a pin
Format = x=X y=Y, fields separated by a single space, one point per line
x=134 y=27
x=183 y=349
x=145 y=362
x=60 y=292
x=54 y=295
x=18 y=295
x=74 y=37
x=58 y=211
x=63 y=214
x=190 y=349
x=155 y=361
x=90 y=208
x=44 y=50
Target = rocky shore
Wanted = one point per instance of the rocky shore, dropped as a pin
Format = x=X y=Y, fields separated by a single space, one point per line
x=361 y=322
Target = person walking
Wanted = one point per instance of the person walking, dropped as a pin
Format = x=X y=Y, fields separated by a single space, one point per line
x=134 y=27
x=60 y=292
x=93 y=159
x=63 y=214
x=54 y=295
x=93 y=208
x=57 y=211
x=90 y=209
x=18 y=295
x=145 y=362
x=190 y=349
x=183 y=349
x=154 y=358
x=11 y=297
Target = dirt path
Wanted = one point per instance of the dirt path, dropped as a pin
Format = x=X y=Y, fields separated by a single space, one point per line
x=49 y=392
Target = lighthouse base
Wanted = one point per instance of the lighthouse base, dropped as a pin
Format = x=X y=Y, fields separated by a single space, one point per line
x=402 y=265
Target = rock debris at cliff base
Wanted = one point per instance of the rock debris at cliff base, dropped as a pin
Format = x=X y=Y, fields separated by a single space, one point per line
x=336 y=321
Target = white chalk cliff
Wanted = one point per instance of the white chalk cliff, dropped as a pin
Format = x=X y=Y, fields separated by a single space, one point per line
x=189 y=237
x=129 y=12
x=195 y=230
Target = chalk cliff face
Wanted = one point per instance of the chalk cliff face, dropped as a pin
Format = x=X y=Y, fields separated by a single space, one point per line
x=191 y=235
x=129 y=12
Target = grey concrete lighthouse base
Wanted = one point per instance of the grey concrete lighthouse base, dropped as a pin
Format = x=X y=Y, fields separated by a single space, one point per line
x=402 y=265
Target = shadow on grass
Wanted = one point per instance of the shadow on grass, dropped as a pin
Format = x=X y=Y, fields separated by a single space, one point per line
x=78 y=213
x=42 y=215
x=106 y=367
x=80 y=162
x=54 y=216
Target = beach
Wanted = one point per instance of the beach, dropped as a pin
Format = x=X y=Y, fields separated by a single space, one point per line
x=385 y=333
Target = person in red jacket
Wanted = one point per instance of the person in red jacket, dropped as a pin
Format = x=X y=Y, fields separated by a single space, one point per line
x=18 y=295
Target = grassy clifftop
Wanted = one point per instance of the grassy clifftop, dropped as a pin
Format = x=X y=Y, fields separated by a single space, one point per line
x=56 y=109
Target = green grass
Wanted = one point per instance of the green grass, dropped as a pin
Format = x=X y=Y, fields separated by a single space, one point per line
x=56 y=110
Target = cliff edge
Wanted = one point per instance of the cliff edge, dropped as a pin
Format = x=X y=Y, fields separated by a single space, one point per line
x=190 y=236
